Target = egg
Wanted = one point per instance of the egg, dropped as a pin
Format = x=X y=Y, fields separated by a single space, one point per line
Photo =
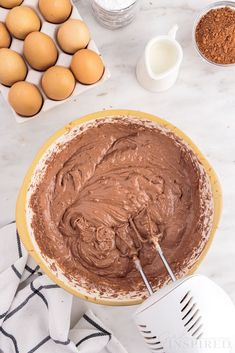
x=25 y=98
x=58 y=83
x=73 y=35
x=40 y=51
x=12 y=67
x=55 y=11
x=21 y=21
x=87 y=66
x=9 y=4
x=5 y=38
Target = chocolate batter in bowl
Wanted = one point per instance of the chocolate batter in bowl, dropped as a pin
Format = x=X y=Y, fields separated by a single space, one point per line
x=99 y=193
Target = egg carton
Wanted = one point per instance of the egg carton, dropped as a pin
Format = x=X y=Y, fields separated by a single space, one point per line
x=64 y=59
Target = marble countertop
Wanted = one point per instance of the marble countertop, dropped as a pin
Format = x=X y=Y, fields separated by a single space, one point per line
x=201 y=103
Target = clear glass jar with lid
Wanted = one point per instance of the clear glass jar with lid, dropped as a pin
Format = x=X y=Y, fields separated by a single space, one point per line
x=115 y=14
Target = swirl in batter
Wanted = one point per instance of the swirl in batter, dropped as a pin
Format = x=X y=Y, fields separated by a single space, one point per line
x=113 y=189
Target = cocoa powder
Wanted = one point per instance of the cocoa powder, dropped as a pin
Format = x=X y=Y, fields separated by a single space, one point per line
x=215 y=35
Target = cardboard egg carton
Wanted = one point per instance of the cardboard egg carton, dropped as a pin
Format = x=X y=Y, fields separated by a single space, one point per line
x=64 y=59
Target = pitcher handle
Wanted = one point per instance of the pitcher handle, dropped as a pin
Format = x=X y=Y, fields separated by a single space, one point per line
x=172 y=32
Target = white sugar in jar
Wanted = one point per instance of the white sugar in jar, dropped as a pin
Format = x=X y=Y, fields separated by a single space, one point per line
x=115 y=13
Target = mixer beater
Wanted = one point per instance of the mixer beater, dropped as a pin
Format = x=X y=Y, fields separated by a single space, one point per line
x=190 y=315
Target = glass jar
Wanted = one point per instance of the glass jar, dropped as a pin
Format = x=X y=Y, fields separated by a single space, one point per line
x=115 y=14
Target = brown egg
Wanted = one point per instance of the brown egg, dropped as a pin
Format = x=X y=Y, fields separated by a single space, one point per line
x=25 y=98
x=12 y=67
x=55 y=11
x=9 y=4
x=58 y=83
x=5 y=38
x=40 y=51
x=87 y=66
x=73 y=35
x=21 y=21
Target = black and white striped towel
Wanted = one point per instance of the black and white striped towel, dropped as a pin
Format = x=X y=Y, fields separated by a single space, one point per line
x=35 y=312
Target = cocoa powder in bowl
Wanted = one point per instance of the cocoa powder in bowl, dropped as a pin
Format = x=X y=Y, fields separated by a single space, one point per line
x=215 y=35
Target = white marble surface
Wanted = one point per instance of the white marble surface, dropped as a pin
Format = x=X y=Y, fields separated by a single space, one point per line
x=201 y=103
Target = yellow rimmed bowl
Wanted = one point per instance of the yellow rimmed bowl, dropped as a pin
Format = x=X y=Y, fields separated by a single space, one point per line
x=23 y=209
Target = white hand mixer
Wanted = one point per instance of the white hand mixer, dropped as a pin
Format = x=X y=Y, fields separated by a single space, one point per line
x=191 y=315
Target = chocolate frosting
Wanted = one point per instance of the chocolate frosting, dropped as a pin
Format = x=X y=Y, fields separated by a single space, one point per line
x=108 y=194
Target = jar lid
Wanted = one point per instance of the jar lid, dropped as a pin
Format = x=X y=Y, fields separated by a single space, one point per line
x=115 y=5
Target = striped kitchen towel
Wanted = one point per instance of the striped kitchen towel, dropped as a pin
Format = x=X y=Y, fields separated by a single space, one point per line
x=35 y=312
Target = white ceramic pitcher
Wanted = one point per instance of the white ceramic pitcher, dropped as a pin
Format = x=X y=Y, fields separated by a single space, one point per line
x=158 y=68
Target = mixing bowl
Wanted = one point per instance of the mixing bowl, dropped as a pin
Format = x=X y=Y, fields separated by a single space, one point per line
x=24 y=211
